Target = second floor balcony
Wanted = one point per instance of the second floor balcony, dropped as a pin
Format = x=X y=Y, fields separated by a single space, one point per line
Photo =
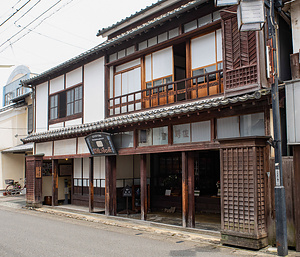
x=196 y=87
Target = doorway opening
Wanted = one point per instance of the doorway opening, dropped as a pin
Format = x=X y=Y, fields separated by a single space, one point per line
x=179 y=52
x=65 y=169
x=166 y=189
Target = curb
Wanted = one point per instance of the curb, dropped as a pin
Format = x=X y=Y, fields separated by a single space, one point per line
x=198 y=235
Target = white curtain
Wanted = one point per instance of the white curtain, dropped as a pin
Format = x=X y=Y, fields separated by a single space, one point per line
x=203 y=50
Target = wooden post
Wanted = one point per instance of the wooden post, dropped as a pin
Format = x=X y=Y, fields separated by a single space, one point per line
x=184 y=190
x=34 y=180
x=144 y=198
x=296 y=194
x=91 y=185
x=54 y=182
x=110 y=186
x=191 y=187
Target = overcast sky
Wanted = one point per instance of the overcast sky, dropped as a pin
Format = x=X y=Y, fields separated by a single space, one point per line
x=42 y=33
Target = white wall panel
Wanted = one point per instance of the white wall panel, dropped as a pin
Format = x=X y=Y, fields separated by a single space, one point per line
x=74 y=77
x=99 y=167
x=42 y=107
x=44 y=148
x=56 y=126
x=82 y=147
x=57 y=84
x=77 y=168
x=163 y=63
x=297 y=111
x=203 y=50
x=65 y=147
x=73 y=122
x=86 y=165
x=94 y=96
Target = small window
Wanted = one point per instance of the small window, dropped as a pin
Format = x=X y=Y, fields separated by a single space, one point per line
x=66 y=103
x=181 y=133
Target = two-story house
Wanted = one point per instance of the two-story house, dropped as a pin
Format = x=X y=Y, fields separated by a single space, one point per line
x=15 y=124
x=186 y=99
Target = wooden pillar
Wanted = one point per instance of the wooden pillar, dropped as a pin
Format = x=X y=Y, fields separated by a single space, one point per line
x=188 y=200
x=110 y=186
x=34 y=180
x=91 y=185
x=191 y=187
x=184 y=190
x=54 y=182
x=296 y=195
x=144 y=197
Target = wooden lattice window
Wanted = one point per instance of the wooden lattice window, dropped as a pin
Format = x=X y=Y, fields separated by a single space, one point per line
x=240 y=56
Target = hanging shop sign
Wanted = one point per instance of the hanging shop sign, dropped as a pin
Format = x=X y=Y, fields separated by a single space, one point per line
x=100 y=143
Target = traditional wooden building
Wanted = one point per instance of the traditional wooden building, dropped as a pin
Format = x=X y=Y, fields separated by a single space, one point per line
x=186 y=99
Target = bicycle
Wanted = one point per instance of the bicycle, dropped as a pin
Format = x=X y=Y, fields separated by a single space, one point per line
x=13 y=187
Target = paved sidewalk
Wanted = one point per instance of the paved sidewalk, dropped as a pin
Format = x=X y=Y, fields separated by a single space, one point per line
x=81 y=213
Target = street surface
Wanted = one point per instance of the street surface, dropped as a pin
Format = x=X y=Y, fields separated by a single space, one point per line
x=30 y=233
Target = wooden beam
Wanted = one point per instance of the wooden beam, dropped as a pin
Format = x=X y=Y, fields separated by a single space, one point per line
x=110 y=186
x=54 y=182
x=296 y=194
x=144 y=197
x=184 y=190
x=191 y=187
x=91 y=184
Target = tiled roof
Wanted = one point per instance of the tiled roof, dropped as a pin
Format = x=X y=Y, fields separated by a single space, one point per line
x=19 y=148
x=103 y=30
x=143 y=116
x=128 y=34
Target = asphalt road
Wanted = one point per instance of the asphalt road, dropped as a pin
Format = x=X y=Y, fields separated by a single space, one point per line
x=27 y=233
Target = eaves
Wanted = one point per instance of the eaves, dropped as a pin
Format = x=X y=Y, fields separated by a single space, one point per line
x=149 y=115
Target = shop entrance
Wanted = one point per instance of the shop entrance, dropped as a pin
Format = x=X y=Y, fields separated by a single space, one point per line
x=166 y=188
x=65 y=168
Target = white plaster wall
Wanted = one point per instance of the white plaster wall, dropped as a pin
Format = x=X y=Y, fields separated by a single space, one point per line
x=57 y=84
x=94 y=105
x=295 y=18
x=82 y=147
x=13 y=167
x=65 y=147
x=99 y=167
x=46 y=186
x=85 y=170
x=42 y=107
x=77 y=168
x=74 y=77
x=44 y=148
x=73 y=122
x=56 y=126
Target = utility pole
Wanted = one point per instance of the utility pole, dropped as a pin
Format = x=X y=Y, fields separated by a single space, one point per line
x=280 y=205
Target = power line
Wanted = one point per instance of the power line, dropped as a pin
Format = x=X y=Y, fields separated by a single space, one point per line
x=56 y=39
x=30 y=23
x=28 y=11
x=15 y=13
x=11 y=7
x=36 y=25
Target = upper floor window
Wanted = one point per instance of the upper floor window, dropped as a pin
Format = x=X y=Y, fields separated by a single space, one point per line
x=66 y=103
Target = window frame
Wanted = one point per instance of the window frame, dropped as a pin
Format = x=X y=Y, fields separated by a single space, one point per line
x=63 y=94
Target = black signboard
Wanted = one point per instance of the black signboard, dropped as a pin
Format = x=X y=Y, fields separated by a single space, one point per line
x=127 y=191
x=100 y=143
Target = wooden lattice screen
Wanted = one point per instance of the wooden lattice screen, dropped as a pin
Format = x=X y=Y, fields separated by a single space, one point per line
x=243 y=192
x=240 y=53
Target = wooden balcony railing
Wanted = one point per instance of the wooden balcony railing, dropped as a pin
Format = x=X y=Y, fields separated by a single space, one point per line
x=186 y=89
